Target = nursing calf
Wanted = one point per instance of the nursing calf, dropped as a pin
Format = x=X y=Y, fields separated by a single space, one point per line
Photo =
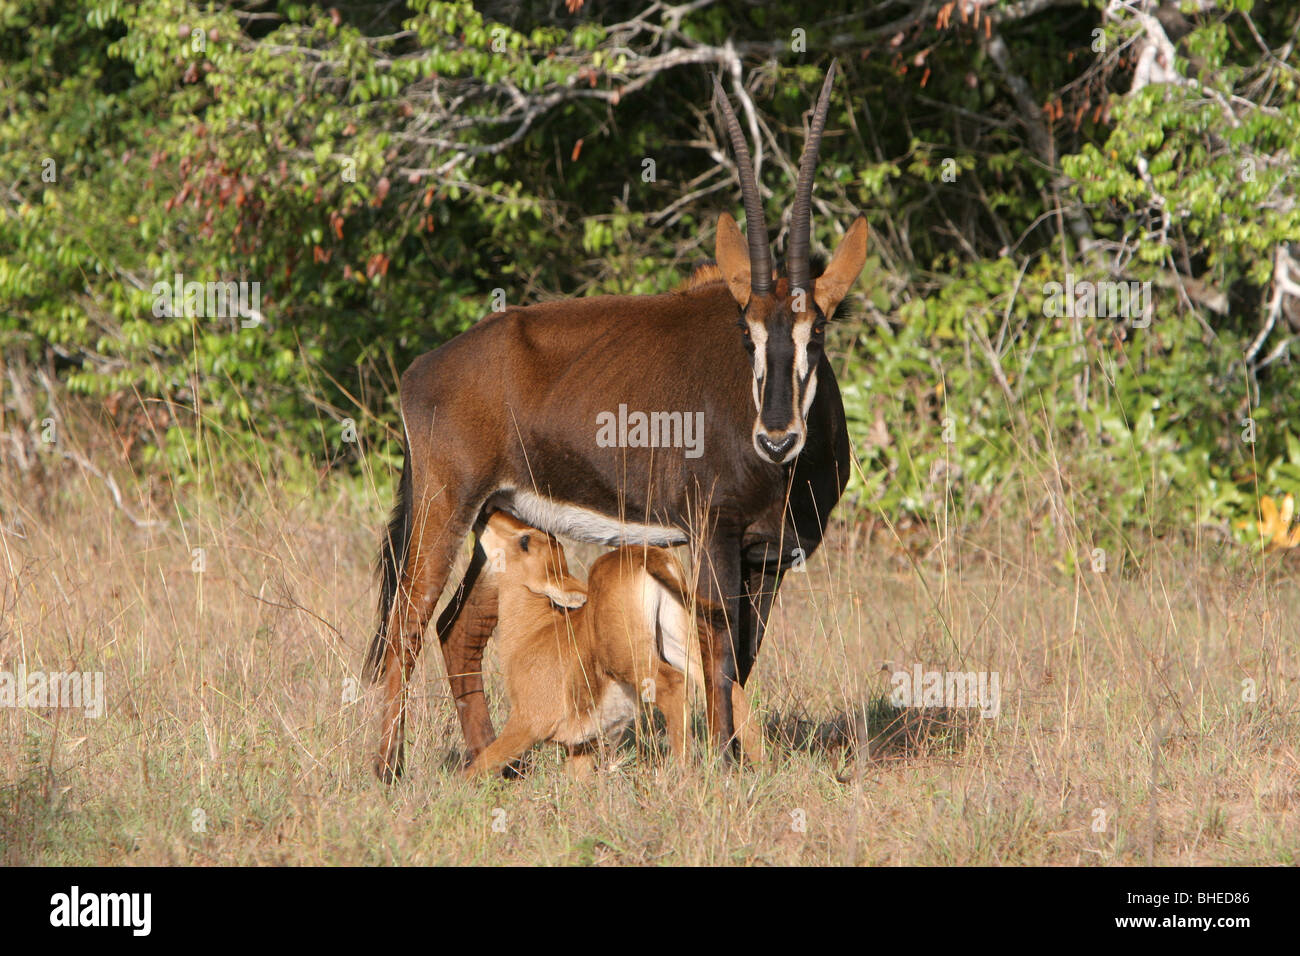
x=578 y=658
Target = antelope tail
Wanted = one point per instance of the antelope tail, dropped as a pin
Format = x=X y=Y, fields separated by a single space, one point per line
x=677 y=636
x=392 y=559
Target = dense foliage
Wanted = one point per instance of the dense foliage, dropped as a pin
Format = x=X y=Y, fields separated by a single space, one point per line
x=388 y=172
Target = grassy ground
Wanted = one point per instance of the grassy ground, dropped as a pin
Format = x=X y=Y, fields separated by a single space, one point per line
x=236 y=731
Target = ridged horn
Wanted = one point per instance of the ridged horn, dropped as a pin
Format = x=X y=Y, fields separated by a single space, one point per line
x=760 y=254
x=800 y=215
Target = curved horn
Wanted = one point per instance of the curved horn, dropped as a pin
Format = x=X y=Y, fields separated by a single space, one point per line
x=800 y=225
x=760 y=255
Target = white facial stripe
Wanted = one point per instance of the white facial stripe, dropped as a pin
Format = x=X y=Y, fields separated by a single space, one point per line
x=758 y=337
x=801 y=334
x=809 y=394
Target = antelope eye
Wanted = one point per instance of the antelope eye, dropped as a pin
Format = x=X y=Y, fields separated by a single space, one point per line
x=523 y=542
x=819 y=328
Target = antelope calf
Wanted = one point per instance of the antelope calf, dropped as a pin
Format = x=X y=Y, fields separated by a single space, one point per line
x=578 y=658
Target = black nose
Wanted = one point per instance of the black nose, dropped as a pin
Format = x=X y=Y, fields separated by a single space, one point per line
x=776 y=449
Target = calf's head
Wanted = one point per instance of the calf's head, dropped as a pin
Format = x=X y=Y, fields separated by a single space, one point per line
x=522 y=556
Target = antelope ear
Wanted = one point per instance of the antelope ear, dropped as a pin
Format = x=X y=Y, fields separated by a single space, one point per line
x=732 y=254
x=834 y=284
x=567 y=593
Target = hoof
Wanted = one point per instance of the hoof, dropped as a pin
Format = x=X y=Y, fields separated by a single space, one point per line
x=389 y=771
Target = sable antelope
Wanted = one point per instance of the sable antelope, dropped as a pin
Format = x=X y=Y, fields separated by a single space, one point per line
x=577 y=659
x=504 y=417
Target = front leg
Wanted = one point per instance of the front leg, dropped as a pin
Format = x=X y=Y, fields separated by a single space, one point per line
x=463 y=630
x=515 y=740
x=719 y=590
x=761 y=583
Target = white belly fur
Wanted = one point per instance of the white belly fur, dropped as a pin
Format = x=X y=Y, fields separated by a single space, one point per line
x=582 y=524
x=614 y=711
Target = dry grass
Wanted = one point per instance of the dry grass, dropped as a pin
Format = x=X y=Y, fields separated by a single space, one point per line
x=227 y=702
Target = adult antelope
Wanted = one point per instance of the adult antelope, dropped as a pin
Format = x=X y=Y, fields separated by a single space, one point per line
x=505 y=416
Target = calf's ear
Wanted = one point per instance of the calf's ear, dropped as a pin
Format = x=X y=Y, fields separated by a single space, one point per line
x=568 y=593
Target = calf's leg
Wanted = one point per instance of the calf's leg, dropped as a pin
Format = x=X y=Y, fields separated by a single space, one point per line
x=515 y=740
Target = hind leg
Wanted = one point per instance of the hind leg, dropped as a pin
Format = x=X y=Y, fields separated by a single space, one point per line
x=438 y=527
x=463 y=630
x=748 y=728
x=581 y=762
x=671 y=699
x=673 y=702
